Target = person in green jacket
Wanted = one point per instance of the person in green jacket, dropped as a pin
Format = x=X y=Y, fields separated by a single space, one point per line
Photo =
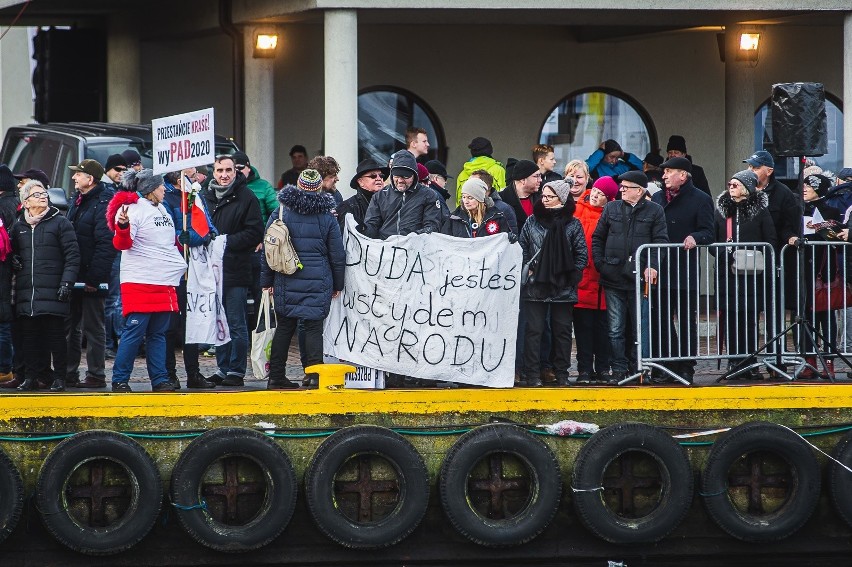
x=480 y=151
x=262 y=189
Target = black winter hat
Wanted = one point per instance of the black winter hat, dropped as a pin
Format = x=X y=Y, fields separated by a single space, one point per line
x=435 y=167
x=611 y=146
x=366 y=165
x=36 y=174
x=7 y=180
x=240 y=158
x=480 y=146
x=131 y=157
x=677 y=163
x=654 y=159
x=747 y=178
x=819 y=183
x=677 y=143
x=523 y=169
x=115 y=161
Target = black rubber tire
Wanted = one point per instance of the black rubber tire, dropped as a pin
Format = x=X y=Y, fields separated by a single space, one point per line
x=146 y=495
x=840 y=479
x=11 y=496
x=545 y=487
x=770 y=438
x=278 y=504
x=676 y=483
x=410 y=471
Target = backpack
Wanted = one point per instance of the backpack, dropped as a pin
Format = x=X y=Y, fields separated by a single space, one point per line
x=278 y=247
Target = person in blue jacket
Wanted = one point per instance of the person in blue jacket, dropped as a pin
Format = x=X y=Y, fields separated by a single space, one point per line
x=609 y=160
x=305 y=295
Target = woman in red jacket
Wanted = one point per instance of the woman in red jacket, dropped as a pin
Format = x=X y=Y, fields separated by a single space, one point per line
x=591 y=328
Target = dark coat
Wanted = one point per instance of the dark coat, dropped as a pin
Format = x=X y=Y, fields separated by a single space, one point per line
x=238 y=216
x=88 y=215
x=621 y=230
x=392 y=212
x=50 y=257
x=315 y=233
x=357 y=205
x=459 y=224
x=785 y=210
x=750 y=222
x=688 y=214
x=508 y=212
x=8 y=210
x=509 y=197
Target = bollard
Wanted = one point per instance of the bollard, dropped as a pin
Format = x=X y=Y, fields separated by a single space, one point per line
x=331 y=376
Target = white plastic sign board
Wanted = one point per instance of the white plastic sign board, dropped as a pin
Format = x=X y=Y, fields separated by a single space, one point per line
x=183 y=140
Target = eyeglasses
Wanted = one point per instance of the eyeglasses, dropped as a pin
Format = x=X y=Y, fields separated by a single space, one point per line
x=374 y=176
x=548 y=197
x=119 y=168
x=623 y=186
x=38 y=195
x=733 y=185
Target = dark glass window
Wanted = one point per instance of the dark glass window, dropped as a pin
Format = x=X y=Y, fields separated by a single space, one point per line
x=582 y=120
x=384 y=113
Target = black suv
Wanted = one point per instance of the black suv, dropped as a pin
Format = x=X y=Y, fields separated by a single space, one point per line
x=52 y=147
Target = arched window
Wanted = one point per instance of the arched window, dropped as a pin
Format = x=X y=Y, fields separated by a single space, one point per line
x=384 y=113
x=788 y=168
x=582 y=120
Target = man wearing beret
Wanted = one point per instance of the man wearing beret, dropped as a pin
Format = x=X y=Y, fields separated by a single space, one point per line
x=690 y=221
x=87 y=212
x=677 y=148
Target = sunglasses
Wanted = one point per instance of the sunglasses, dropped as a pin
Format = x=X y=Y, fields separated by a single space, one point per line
x=374 y=176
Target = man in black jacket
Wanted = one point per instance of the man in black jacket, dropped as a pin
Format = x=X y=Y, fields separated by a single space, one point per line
x=624 y=226
x=522 y=189
x=369 y=178
x=689 y=220
x=87 y=212
x=677 y=148
x=235 y=212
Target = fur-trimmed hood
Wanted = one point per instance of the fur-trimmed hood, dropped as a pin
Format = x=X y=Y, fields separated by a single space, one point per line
x=121 y=198
x=753 y=204
x=306 y=202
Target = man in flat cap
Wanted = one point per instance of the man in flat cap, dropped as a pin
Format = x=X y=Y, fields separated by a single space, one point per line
x=689 y=220
x=677 y=148
x=87 y=212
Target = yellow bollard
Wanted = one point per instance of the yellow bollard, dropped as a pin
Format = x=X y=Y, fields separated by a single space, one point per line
x=331 y=376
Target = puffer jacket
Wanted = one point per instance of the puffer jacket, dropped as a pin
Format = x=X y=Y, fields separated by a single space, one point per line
x=590 y=295
x=460 y=224
x=238 y=216
x=489 y=164
x=50 y=257
x=93 y=236
x=316 y=237
x=599 y=168
x=532 y=239
x=621 y=230
x=264 y=191
x=357 y=205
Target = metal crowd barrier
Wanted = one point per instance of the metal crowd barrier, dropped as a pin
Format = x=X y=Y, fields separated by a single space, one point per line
x=700 y=310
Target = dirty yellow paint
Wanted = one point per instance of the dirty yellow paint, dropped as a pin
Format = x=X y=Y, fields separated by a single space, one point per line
x=339 y=401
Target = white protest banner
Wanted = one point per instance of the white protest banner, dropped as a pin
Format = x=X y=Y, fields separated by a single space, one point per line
x=429 y=306
x=183 y=140
x=205 y=316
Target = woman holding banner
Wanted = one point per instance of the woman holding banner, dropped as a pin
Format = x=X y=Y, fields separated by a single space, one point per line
x=476 y=215
x=555 y=256
x=151 y=268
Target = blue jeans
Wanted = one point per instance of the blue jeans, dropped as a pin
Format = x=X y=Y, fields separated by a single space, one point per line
x=113 y=318
x=231 y=357
x=621 y=311
x=6 y=350
x=152 y=328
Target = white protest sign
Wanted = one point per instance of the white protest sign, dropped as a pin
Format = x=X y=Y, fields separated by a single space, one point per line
x=183 y=140
x=205 y=317
x=429 y=306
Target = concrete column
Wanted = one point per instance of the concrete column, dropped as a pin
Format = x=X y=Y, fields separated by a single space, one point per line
x=124 y=73
x=847 y=90
x=259 y=108
x=341 y=92
x=739 y=105
x=16 y=90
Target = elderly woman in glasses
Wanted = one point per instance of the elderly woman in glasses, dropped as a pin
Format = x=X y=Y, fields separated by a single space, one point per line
x=47 y=259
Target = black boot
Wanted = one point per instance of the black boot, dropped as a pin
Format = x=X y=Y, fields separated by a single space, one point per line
x=173 y=380
x=58 y=385
x=28 y=385
x=281 y=384
x=199 y=382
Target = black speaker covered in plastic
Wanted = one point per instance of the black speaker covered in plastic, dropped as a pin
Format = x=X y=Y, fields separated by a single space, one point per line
x=799 y=126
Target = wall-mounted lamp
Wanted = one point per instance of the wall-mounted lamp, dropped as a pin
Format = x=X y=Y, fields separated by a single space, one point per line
x=749 y=47
x=265 y=45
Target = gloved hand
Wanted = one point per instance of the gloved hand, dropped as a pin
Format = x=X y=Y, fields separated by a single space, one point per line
x=183 y=237
x=17 y=263
x=512 y=237
x=424 y=230
x=208 y=239
x=64 y=293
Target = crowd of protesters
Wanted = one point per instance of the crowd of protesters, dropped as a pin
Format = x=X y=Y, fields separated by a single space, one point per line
x=87 y=273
